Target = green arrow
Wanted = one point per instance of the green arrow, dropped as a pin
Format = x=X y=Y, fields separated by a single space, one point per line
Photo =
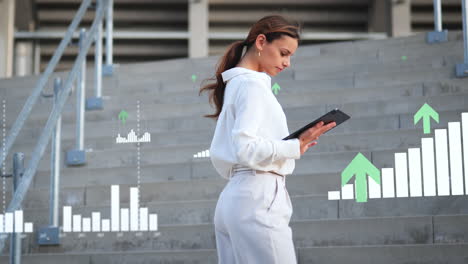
x=426 y=112
x=360 y=166
x=123 y=116
x=403 y=58
x=194 y=78
x=275 y=88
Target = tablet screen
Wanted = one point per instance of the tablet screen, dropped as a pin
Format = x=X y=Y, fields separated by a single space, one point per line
x=334 y=115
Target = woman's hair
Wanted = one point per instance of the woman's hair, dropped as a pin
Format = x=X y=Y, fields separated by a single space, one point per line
x=273 y=27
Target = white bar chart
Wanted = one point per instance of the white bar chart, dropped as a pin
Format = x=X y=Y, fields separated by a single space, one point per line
x=202 y=154
x=133 y=218
x=14 y=223
x=438 y=168
x=133 y=138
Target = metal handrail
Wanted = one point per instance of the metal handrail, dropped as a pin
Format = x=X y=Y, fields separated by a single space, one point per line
x=45 y=136
x=32 y=99
x=185 y=35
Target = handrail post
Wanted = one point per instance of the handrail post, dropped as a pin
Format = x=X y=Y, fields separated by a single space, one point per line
x=15 y=244
x=108 y=69
x=462 y=68
x=55 y=162
x=49 y=235
x=438 y=35
x=77 y=156
x=94 y=103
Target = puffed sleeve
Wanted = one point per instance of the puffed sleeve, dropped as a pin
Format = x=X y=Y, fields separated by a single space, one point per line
x=252 y=150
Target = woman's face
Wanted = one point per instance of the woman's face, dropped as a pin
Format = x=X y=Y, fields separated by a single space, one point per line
x=275 y=56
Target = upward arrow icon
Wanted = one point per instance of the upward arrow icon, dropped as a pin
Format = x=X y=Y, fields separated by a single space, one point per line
x=360 y=166
x=426 y=112
x=123 y=115
x=275 y=88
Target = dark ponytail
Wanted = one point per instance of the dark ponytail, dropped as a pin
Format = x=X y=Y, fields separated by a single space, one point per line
x=273 y=27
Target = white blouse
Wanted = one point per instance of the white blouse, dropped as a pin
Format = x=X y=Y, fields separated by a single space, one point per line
x=251 y=126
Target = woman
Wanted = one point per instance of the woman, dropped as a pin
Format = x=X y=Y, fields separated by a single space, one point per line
x=253 y=211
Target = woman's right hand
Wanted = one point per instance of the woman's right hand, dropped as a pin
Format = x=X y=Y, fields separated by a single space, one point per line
x=313 y=134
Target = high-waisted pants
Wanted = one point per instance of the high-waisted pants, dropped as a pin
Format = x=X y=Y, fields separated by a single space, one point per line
x=252 y=220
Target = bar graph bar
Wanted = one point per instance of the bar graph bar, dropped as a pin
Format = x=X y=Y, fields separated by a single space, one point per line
x=465 y=146
x=134 y=208
x=8 y=222
x=105 y=225
x=18 y=221
x=374 y=189
x=28 y=227
x=96 y=216
x=153 y=224
x=388 y=183
x=76 y=223
x=143 y=219
x=456 y=163
x=333 y=195
x=67 y=219
x=429 y=180
x=401 y=175
x=2 y=223
x=124 y=217
x=442 y=162
x=415 y=177
x=86 y=224
x=115 y=208
x=347 y=192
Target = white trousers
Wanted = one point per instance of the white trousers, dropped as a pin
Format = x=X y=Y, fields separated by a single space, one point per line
x=252 y=220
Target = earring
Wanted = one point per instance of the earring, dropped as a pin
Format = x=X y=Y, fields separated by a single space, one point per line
x=259 y=53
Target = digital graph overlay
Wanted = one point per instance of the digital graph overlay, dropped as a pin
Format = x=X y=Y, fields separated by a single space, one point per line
x=133 y=138
x=130 y=219
x=13 y=222
x=202 y=154
x=121 y=219
x=435 y=169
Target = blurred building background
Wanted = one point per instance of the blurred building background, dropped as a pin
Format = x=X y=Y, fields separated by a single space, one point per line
x=149 y=30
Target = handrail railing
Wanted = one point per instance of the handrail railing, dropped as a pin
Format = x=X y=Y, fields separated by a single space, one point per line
x=32 y=99
x=55 y=114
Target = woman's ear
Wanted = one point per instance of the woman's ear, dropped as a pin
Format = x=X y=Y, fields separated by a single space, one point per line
x=260 y=41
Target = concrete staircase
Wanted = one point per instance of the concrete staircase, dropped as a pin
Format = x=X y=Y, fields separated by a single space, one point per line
x=381 y=84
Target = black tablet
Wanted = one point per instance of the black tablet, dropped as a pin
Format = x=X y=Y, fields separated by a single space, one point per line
x=334 y=115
